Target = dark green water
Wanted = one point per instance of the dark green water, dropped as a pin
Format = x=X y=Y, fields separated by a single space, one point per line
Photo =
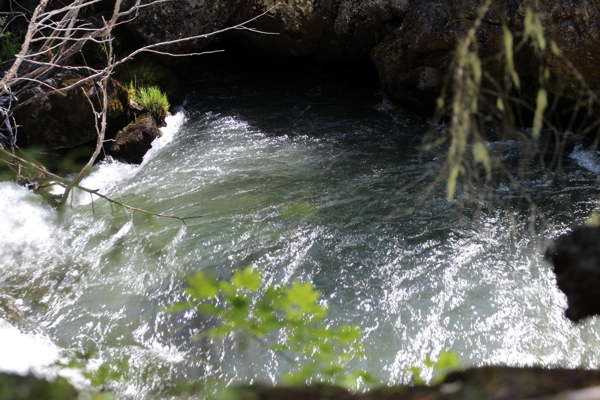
x=298 y=175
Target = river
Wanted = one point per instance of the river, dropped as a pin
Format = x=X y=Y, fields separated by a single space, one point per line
x=298 y=174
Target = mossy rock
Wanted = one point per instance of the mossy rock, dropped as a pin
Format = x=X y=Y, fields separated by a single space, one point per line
x=52 y=120
x=132 y=143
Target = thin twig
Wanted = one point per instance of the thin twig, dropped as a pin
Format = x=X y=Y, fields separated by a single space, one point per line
x=65 y=182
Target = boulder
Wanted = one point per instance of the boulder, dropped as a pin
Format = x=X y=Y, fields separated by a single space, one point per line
x=491 y=383
x=411 y=42
x=576 y=26
x=327 y=30
x=132 y=143
x=413 y=57
x=576 y=260
x=52 y=120
x=172 y=20
x=323 y=30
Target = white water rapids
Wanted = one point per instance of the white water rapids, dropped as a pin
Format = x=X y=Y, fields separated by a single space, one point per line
x=301 y=182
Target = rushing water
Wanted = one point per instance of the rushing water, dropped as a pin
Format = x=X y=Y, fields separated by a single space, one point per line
x=299 y=176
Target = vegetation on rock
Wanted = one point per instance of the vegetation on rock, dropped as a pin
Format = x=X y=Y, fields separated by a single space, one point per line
x=151 y=99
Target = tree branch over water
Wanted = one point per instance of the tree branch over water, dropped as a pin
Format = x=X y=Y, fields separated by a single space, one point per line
x=58 y=180
x=52 y=40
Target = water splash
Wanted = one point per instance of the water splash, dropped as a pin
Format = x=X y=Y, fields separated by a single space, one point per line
x=588 y=159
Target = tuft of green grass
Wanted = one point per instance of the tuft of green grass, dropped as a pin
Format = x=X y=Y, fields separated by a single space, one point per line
x=153 y=100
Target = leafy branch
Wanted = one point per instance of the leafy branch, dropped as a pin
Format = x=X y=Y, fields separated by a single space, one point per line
x=316 y=351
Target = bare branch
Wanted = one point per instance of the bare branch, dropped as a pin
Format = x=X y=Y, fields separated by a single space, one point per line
x=65 y=182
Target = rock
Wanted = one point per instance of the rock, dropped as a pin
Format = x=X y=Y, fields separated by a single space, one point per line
x=576 y=260
x=16 y=387
x=132 y=143
x=427 y=36
x=174 y=20
x=61 y=120
x=492 y=383
x=323 y=30
x=576 y=25
x=500 y=382
x=414 y=57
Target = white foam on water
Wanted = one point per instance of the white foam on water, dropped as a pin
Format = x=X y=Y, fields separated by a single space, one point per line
x=174 y=123
x=587 y=159
x=28 y=228
x=30 y=233
x=107 y=175
x=104 y=177
x=29 y=236
x=22 y=353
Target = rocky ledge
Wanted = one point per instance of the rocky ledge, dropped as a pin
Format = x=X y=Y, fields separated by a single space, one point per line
x=486 y=383
x=411 y=42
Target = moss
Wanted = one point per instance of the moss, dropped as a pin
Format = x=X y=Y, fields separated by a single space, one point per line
x=65 y=120
x=153 y=100
x=144 y=71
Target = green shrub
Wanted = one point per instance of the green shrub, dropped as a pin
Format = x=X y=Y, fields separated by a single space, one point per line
x=153 y=100
x=10 y=42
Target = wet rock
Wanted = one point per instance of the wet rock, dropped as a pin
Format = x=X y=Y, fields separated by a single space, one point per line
x=52 y=120
x=132 y=143
x=576 y=260
x=498 y=382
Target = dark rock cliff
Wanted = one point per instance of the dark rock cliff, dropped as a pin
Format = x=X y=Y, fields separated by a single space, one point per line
x=411 y=42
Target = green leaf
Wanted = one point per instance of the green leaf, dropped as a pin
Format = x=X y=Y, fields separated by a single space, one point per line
x=210 y=309
x=555 y=48
x=186 y=305
x=447 y=361
x=481 y=155
x=428 y=362
x=541 y=104
x=416 y=378
x=219 y=331
x=593 y=220
x=227 y=288
x=451 y=185
x=500 y=104
x=292 y=313
x=304 y=296
x=246 y=279
x=202 y=287
x=508 y=51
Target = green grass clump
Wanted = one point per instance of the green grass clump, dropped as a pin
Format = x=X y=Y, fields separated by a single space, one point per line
x=153 y=100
